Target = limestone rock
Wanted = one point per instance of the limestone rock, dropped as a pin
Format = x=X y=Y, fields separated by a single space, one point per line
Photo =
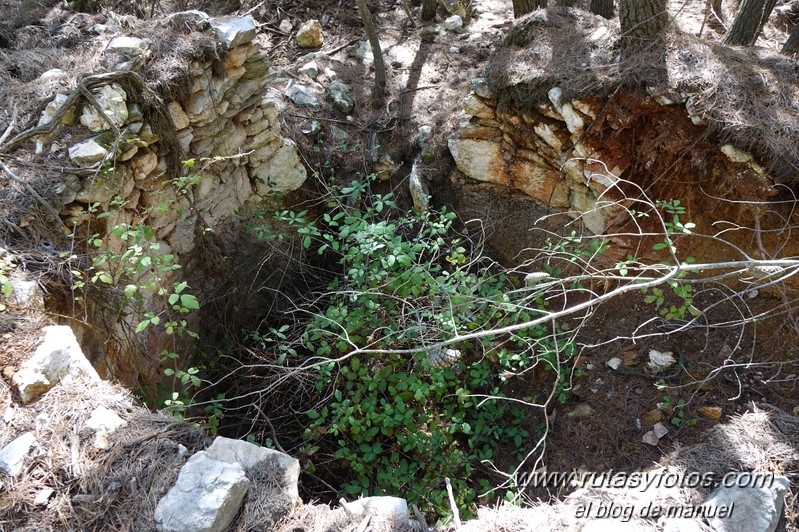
x=339 y=93
x=249 y=456
x=206 y=497
x=757 y=509
x=387 y=513
x=453 y=23
x=129 y=45
x=58 y=357
x=111 y=98
x=309 y=34
x=13 y=455
x=480 y=87
x=104 y=422
x=178 y=115
x=52 y=108
x=285 y=26
x=144 y=164
x=302 y=95
x=474 y=106
x=234 y=31
x=479 y=159
x=282 y=172
x=87 y=153
x=26 y=294
x=310 y=69
x=385 y=168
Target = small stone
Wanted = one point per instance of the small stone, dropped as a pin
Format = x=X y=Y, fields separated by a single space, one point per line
x=336 y=134
x=581 y=410
x=660 y=430
x=339 y=93
x=309 y=34
x=87 y=153
x=43 y=497
x=614 y=363
x=453 y=23
x=650 y=439
x=13 y=455
x=234 y=31
x=301 y=95
x=310 y=69
x=429 y=31
x=710 y=412
x=480 y=87
x=285 y=26
x=659 y=361
x=454 y=50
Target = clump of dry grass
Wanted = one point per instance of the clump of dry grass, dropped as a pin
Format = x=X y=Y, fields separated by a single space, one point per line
x=95 y=489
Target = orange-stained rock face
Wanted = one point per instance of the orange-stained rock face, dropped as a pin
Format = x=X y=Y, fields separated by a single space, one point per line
x=598 y=159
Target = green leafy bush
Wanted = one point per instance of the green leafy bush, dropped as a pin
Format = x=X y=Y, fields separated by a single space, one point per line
x=396 y=422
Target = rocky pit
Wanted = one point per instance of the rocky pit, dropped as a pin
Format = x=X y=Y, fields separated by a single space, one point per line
x=151 y=165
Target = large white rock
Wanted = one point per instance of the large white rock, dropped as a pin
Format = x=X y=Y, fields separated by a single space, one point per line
x=87 y=153
x=479 y=159
x=58 y=358
x=757 y=507
x=206 y=497
x=13 y=455
x=282 y=172
x=249 y=455
x=112 y=100
x=234 y=31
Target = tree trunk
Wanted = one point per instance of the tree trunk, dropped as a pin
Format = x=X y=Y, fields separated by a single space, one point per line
x=791 y=46
x=429 y=9
x=374 y=42
x=522 y=7
x=642 y=23
x=603 y=8
x=749 y=22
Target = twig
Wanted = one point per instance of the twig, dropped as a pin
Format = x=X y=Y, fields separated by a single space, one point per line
x=11 y=125
x=456 y=517
x=339 y=48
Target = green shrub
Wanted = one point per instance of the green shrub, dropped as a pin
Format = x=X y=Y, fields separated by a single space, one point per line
x=399 y=424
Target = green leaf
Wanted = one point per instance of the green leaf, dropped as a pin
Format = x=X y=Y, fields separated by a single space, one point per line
x=189 y=301
x=142 y=325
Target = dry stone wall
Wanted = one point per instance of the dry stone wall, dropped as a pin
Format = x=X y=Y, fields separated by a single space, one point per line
x=126 y=160
x=589 y=158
